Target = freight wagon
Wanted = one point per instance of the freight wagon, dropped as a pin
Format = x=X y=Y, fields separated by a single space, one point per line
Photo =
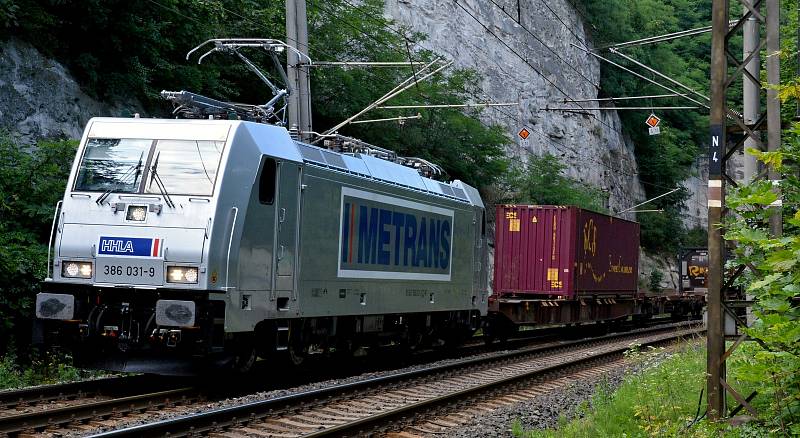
x=566 y=265
x=693 y=263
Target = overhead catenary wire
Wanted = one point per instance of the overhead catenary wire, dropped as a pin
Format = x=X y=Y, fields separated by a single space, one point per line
x=614 y=99
x=539 y=40
x=408 y=83
x=511 y=49
x=659 y=74
x=399 y=119
x=463 y=105
x=661 y=38
x=563 y=148
x=631 y=108
x=640 y=76
x=566 y=26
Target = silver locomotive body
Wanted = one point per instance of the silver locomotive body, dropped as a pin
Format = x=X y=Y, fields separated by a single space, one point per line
x=224 y=240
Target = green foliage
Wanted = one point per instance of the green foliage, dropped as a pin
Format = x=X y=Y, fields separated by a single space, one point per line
x=696 y=237
x=660 y=400
x=31 y=182
x=664 y=160
x=774 y=282
x=458 y=142
x=542 y=181
x=655 y=280
x=39 y=369
x=136 y=48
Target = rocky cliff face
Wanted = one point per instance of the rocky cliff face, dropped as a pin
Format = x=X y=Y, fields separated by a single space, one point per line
x=525 y=51
x=39 y=98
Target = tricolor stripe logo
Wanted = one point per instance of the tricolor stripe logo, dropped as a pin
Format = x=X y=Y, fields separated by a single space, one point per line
x=157 y=247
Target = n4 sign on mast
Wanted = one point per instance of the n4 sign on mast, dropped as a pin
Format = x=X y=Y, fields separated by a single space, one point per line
x=653 y=121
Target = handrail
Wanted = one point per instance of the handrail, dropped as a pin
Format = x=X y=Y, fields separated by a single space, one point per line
x=235 y=211
x=50 y=240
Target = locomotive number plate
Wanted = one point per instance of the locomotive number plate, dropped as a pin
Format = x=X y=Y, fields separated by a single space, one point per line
x=119 y=270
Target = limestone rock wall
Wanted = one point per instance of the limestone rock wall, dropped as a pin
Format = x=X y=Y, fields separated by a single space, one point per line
x=39 y=98
x=539 y=67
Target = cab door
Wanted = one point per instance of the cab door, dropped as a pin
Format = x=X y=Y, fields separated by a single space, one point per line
x=288 y=231
x=257 y=258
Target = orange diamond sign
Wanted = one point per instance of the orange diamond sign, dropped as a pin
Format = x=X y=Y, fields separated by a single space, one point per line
x=652 y=121
x=524 y=133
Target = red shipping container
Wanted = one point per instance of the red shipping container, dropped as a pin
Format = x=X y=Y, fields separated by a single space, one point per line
x=543 y=250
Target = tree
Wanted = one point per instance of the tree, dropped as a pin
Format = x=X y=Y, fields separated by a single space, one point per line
x=542 y=181
x=773 y=278
x=31 y=182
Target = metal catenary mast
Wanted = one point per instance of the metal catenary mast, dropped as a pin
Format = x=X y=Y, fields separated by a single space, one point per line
x=747 y=123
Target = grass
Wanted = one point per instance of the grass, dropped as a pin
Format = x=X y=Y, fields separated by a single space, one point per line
x=41 y=369
x=660 y=400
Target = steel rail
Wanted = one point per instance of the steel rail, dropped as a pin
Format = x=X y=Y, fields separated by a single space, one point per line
x=216 y=419
x=68 y=414
x=66 y=391
x=363 y=425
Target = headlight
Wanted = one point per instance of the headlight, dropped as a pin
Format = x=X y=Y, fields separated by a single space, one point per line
x=181 y=274
x=76 y=270
x=136 y=213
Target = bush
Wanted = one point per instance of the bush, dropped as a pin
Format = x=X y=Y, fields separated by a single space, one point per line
x=39 y=369
x=655 y=280
x=32 y=181
x=542 y=181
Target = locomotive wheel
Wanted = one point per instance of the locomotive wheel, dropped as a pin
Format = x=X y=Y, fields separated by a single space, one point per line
x=296 y=349
x=244 y=357
x=297 y=356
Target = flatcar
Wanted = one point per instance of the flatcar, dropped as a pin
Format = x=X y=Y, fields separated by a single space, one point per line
x=186 y=244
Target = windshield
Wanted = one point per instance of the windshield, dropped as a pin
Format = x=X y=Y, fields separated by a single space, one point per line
x=112 y=164
x=186 y=167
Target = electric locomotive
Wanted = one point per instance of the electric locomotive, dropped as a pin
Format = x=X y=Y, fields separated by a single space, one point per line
x=186 y=244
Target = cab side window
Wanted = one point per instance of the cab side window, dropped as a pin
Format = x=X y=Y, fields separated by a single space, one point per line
x=266 y=185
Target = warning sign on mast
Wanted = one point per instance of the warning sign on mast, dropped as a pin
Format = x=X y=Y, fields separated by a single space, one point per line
x=653 y=121
x=523 y=134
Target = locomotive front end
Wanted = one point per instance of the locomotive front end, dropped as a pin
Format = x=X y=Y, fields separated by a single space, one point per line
x=130 y=269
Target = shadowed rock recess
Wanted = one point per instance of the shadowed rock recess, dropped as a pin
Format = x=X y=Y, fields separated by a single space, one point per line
x=40 y=99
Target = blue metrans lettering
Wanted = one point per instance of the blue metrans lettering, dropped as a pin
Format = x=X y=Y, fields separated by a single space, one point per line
x=409 y=243
x=367 y=235
x=387 y=238
x=384 y=235
x=345 y=231
x=422 y=243
x=445 y=241
x=433 y=238
x=399 y=221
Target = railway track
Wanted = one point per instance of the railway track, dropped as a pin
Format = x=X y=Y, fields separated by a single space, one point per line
x=391 y=403
x=60 y=418
x=88 y=405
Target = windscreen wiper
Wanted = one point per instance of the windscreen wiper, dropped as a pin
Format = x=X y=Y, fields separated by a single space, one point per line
x=160 y=184
x=134 y=171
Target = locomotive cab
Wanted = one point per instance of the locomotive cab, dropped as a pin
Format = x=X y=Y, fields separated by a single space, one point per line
x=143 y=240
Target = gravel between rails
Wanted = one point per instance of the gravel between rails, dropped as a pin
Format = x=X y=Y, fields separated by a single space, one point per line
x=262 y=395
x=545 y=410
x=178 y=411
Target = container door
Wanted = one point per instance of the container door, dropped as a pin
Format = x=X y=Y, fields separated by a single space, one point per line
x=288 y=230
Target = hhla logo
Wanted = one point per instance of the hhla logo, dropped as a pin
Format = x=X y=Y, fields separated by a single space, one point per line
x=117 y=246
